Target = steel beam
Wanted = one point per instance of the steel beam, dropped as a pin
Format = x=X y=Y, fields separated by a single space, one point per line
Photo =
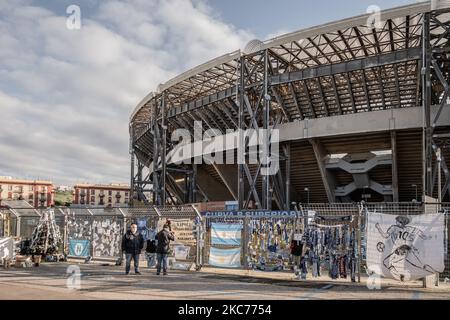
x=395 y=193
x=348 y=66
x=327 y=179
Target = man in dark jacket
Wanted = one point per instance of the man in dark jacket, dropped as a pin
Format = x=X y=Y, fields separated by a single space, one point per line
x=162 y=250
x=132 y=245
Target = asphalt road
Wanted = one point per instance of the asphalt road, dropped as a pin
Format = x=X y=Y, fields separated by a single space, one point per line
x=52 y=281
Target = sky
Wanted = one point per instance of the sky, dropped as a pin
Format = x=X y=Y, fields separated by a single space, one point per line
x=66 y=94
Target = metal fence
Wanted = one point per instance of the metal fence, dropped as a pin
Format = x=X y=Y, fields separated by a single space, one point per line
x=264 y=240
x=103 y=229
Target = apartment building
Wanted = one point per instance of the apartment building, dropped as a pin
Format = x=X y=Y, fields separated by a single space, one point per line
x=112 y=195
x=36 y=192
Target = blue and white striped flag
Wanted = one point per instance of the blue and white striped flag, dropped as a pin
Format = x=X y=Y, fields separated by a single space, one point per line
x=226 y=234
x=225 y=258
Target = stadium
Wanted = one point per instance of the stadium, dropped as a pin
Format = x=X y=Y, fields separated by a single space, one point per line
x=361 y=106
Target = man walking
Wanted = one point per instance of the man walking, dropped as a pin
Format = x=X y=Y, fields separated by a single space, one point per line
x=164 y=237
x=132 y=245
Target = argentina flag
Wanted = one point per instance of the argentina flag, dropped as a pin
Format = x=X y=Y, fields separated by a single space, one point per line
x=225 y=258
x=226 y=234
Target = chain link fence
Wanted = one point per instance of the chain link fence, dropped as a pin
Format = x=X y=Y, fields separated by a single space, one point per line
x=101 y=230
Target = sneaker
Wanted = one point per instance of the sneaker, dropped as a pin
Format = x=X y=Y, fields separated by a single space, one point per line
x=158 y=273
x=138 y=273
x=127 y=273
x=164 y=273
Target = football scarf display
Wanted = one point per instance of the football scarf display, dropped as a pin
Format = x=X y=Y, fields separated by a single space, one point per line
x=269 y=243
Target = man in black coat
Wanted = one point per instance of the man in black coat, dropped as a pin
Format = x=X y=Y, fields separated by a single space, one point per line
x=164 y=237
x=132 y=245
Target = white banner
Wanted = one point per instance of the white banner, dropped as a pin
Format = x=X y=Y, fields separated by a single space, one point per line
x=6 y=248
x=225 y=258
x=405 y=247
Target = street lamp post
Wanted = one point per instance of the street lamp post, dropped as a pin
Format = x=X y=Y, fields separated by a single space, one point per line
x=439 y=160
x=307 y=192
x=364 y=196
x=294 y=205
x=415 y=186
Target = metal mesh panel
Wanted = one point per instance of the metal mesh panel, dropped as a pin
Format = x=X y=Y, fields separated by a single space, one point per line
x=403 y=208
x=446 y=273
x=173 y=212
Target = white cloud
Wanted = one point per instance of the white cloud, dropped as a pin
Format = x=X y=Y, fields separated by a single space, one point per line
x=66 y=95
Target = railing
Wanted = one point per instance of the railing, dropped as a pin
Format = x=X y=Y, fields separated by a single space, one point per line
x=104 y=227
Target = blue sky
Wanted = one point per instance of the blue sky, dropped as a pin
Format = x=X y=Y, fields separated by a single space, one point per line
x=66 y=95
x=267 y=17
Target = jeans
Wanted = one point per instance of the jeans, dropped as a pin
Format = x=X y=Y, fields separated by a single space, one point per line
x=162 y=259
x=151 y=259
x=353 y=269
x=303 y=267
x=315 y=266
x=135 y=257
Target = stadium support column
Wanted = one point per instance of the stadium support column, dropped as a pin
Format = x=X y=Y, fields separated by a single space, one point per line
x=435 y=91
x=426 y=101
x=287 y=154
x=266 y=194
x=241 y=149
x=159 y=151
x=256 y=133
x=155 y=132
x=395 y=194
x=194 y=183
x=164 y=149
x=131 y=164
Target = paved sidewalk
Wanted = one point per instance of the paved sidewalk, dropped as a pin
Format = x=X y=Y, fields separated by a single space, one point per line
x=49 y=281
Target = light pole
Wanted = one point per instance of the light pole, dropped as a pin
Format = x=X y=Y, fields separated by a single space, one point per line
x=415 y=186
x=364 y=195
x=307 y=192
x=294 y=205
x=439 y=160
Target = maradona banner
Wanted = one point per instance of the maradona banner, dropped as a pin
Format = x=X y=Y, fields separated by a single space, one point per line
x=405 y=247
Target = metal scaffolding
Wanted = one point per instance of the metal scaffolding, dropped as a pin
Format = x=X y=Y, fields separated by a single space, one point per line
x=435 y=81
x=313 y=85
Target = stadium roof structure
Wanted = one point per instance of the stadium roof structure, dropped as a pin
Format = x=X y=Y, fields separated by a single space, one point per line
x=327 y=80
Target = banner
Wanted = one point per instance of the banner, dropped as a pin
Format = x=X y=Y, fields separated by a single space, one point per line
x=142 y=228
x=6 y=248
x=79 y=248
x=226 y=234
x=405 y=247
x=252 y=214
x=226 y=258
x=183 y=229
x=107 y=237
x=181 y=252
